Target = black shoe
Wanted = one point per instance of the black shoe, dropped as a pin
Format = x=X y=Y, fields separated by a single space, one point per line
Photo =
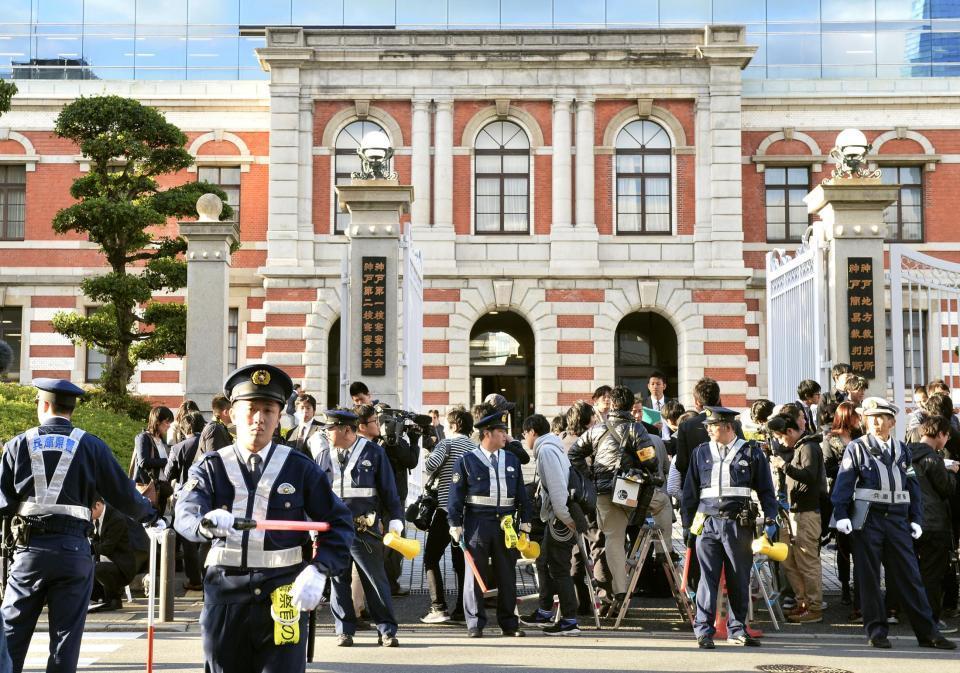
x=344 y=640
x=881 y=642
x=106 y=606
x=513 y=633
x=474 y=633
x=457 y=616
x=706 y=643
x=845 y=596
x=388 y=641
x=743 y=640
x=939 y=643
x=187 y=586
x=399 y=593
x=537 y=618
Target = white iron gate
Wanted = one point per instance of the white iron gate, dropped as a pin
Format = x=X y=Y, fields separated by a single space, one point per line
x=345 y=330
x=924 y=324
x=411 y=357
x=796 y=318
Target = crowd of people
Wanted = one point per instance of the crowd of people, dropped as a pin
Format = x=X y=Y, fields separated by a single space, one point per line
x=825 y=469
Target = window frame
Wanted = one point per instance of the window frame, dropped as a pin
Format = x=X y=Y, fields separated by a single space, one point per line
x=6 y=188
x=219 y=183
x=501 y=177
x=87 y=350
x=14 y=373
x=641 y=178
x=233 y=338
x=919 y=186
x=785 y=187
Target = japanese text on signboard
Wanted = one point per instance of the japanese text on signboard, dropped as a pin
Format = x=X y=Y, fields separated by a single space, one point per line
x=861 y=316
x=373 y=316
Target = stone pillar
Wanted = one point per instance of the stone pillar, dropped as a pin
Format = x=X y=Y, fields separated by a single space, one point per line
x=420 y=163
x=208 y=292
x=851 y=212
x=443 y=165
x=562 y=160
x=375 y=208
x=283 y=231
x=585 y=165
x=305 y=183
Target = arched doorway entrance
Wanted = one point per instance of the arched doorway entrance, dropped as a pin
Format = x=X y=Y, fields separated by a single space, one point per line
x=646 y=342
x=502 y=353
x=333 y=365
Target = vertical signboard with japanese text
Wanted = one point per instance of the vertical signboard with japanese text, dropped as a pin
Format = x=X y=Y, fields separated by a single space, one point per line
x=373 y=317
x=861 y=317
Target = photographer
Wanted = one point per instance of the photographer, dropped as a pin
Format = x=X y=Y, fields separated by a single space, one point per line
x=606 y=451
x=402 y=458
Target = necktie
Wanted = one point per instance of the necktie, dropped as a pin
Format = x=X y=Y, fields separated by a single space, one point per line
x=493 y=461
x=723 y=450
x=342 y=456
x=253 y=463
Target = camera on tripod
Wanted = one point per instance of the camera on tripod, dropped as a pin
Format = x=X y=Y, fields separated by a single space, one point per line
x=394 y=423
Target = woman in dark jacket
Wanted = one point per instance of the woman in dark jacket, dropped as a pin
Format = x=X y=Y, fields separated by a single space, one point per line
x=150 y=454
x=844 y=428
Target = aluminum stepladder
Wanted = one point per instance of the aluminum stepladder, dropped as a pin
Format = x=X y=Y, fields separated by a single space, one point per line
x=649 y=538
x=761 y=573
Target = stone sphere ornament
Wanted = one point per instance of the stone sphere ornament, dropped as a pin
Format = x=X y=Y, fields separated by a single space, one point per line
x=209 y=207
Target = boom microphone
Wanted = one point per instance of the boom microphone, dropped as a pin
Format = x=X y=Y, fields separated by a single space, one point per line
x=6 y=357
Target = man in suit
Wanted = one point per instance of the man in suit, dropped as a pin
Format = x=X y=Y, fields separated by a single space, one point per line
x=182 y=457
x=657 y=386
x=299 y=438
x=809 y=395
x=216 y=435
x=692 y=432
x=120 y=550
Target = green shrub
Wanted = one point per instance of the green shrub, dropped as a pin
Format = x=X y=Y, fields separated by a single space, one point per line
x=18 y=412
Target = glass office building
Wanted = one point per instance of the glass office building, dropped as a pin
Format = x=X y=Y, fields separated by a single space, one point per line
x=215 y=39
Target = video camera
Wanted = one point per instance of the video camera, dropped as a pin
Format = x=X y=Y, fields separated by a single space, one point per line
x=394 y=423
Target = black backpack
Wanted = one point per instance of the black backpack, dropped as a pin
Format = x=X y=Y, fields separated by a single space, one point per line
x=583 y=492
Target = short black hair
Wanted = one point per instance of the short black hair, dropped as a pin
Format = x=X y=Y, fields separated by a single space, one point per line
x=307 y=399
x=781 y=423
x=827 y=412
x=839 y=369
x=538 y=423
x=934 y=426
x=622 y=398
x=601 y=391
x=657 y=374
x=761 y=409
x=461 y=419
x=359 y=388
x=807 y=389
x=365 y=412
x=792 y=410
x=191 y=423
x=939 y=404
x=220 y=403
x=707 y=392
x=559 y=424
x=673 y=410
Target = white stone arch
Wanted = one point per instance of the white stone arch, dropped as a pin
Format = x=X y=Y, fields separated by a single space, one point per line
x=659 y=115
x=795 y=135
x=929 y=158
x=325 y=311
x=517 y=115
x=341 y=119
x=29 y=156
x=244 y=158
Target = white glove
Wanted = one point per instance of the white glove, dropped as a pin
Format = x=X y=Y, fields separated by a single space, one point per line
x=222 y=523
x=156 y=528
x=456 y=532
x=526 y=527
x=307 y=589
x=395 y=526
x=844 y=526
x=915 y=531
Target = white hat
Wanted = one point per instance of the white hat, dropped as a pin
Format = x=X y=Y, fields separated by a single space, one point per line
x=877 y=406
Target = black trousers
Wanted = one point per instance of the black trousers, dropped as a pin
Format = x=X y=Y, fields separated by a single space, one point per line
x=933 y=555
x=558 y=551
x=438 y=537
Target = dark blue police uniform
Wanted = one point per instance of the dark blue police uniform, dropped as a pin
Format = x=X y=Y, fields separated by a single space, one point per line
x=484 y=488
x=363 y=479
x=719 y=484
x=243 y=569
x=885 y=480
x=49 y=478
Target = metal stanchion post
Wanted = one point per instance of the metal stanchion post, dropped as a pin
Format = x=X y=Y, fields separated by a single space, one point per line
x=168 y=547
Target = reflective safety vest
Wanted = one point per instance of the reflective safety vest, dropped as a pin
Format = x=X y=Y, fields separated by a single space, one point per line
x=244 y=549
x=497 y=496
x=892 y=490
x=44 y=500
x=343 y=479
x=720 y=486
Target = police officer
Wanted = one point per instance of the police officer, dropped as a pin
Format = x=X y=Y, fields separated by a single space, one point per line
x=487 y=485
x=362 y=476
x=253 y=619
x=876 y=500
x=49 y=477
x=722 y=474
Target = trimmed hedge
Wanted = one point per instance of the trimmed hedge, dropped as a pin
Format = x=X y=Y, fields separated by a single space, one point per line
x=18 y=412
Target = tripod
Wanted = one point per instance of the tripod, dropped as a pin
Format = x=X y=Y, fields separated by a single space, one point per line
x=647 y=540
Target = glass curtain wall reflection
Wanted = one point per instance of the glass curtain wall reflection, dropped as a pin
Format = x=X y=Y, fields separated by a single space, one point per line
x=216 y=39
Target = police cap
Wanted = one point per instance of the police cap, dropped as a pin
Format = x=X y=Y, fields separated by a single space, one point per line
x=494 y=421
x=58 y=391
x=876 y=406
x=340 y=417
x=258 y=382
x=719 y=415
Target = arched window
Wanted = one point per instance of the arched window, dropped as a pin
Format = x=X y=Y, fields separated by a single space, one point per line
x=502 y=172
x=346 y=161
x=643 y=179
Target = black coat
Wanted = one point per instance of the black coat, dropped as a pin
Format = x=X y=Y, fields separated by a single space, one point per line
x=120 y=539
x=148 y=464
x=298 y=438
x=936 y=484
x=182 y=456
x=806 y=475
x=214 y=437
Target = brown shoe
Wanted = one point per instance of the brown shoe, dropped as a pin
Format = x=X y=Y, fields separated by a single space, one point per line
x=806 y=617
x=798 y=610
